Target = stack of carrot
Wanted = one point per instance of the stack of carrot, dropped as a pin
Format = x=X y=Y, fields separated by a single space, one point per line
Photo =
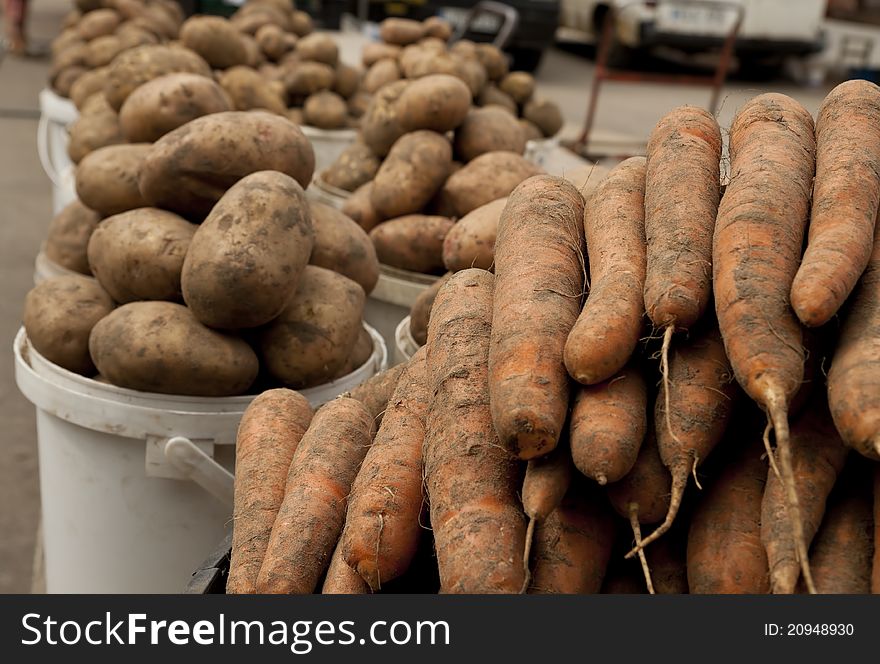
x=661 y=333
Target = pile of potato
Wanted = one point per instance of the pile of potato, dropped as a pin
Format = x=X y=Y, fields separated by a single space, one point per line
x=213 y=273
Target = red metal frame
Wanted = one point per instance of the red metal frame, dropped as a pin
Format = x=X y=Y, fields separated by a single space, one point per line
x=603 y=72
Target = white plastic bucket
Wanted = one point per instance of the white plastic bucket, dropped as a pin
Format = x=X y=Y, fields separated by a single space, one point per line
x=64 y=189
x=404 y=344
x=327 y=194
x=135 y=486
x=46 y=268
x=392 y=299
x=56 y=114
x=328 y=144
x=540 y=152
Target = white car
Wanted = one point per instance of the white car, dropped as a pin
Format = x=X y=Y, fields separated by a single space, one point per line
x=769 y=27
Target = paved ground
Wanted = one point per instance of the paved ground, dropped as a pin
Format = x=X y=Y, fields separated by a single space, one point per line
x=624 y=111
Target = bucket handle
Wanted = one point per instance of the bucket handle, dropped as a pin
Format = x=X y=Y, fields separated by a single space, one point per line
x=43 y=151
x=199 y=467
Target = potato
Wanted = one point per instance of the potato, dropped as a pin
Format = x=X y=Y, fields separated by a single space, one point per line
x=348 y=80
x=381 y=73
x=360 y=354
x=131 y=69
x=491 y=95
x=473 y=73
x=358 y=207
x=138 y=255
x=71 y=19
x=248 y=91
x=168 y=102
x=251 y=17
x=471 y=242
x=464 y=48
x=295 y=115
x=380 y=126
x=273 y=41
x=310 y=341
x=67 y=38
x=530 y=131
x=318 y=47
x=326 y=110
x=158 y=22
x=307 y=78
x=414 y=170
x=357 y=105
x=423 y=62
x=96 y=127
x=354 y=167
x=101 y=51
x=87 y=5
x=132 y=35
x=545 y=115
x=244 y=261
x=215 y=39
x=71 y=56
x=87 y=84
x=343 y=246
x=98 y=23
x=439 y=103
x=400 y=31
x=161 y=347
x=488 y=129
x=301 y=24
x=412 y=242
x=284 y=6
x=64 y=80
x=420 y=313
x=493 y=60
x=107 y=178
x=488 y=177
x=68 y=237
x=437 y=27
x=59 y=314
x=519 y=85
x=190 y=168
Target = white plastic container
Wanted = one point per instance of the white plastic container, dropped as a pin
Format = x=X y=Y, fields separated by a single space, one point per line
x=392 y=298
x=56 y=114
x=328 y=144
x=404 y=344
x=64 y=190
x=46 y=268
x=135 y=486
x=327 y=194
x=540 y=152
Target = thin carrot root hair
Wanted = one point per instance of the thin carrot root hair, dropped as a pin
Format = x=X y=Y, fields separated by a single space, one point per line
x=637 y=533
x=527 y=553
x=771 y=455
x=680 y=476
x=778 y=415
x=664 y=372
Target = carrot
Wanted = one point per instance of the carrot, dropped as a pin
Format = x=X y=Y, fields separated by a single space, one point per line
x=539 y=268
x=471 y=476
x=342 y=579
x=844 y=546
x=375 y=392
x=817 y=457
x=854 y=378
x=608 y=425
x=724 y=552
x=311 y=517
x=682 y=191
x=755 y=252
x=846 y=196
x=545 y=485
x=642 y=496
x=875 y=568
x=573 y=544
x=608 y=328
x=382 y=527
x=268 y=435
x=692 y=418
x=667 y=560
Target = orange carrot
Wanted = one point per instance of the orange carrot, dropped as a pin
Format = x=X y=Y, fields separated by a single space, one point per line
x=545 y=485
x=854 y=378
x=699 y=396
x=817 y=457
x=311 y=517
x=608 y=425
x=756 y=250
x=608 y=328
x=342 y=579
x=382 y=527
x=268 y=435
x=724 y=552
x=573 y=544
x=844 y=546
x=846 y=196
x=539 y=267
x=471 y=476
x=375 y=392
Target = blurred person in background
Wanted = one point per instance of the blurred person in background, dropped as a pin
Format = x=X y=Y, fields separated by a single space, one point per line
x=14 y=18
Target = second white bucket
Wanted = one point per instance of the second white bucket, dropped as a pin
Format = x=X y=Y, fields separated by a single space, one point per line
x=404 y=344
x=136 y=486
x=328 y=144
x=393 y=298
